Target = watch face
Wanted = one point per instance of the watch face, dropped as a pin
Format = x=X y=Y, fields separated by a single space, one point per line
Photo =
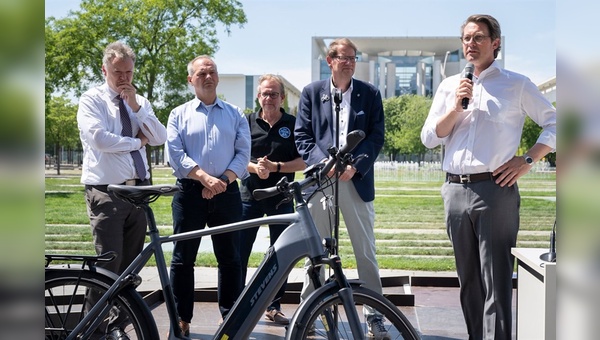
x=528 y=159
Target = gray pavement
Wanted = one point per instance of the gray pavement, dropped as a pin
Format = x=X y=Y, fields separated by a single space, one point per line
x=436 y=313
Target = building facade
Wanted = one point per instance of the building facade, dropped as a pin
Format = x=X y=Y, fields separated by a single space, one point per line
x=399 y=65
x=241 y=90
x=548 y=88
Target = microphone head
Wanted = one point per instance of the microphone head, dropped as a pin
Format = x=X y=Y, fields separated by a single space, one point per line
x=548 y=257
x=468 y=73
x=337 y=96
x=469 y=68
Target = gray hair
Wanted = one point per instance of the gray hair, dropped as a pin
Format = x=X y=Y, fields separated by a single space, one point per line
x=190 y=66
x=117 y=49
x=274 y=77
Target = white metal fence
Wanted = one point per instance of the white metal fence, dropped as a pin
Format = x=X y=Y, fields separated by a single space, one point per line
x=432 y=171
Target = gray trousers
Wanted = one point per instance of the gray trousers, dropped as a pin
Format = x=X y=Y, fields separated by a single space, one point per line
x=482 y=221
x=359 y=217
x=116 y=226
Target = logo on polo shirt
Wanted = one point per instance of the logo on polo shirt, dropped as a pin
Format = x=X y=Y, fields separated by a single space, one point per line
x=285 y=132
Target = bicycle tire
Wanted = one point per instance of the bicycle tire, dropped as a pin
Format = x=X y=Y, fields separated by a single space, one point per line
x=308 y=324
x=66 y=294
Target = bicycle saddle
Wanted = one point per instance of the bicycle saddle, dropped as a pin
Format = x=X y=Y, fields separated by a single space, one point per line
x=142 y=194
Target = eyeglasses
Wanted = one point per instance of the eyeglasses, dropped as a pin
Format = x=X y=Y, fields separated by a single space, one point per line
x=478 y=38
x=344 y=59
x=271 y=95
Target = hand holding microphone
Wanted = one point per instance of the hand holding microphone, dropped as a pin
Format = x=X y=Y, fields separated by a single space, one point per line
x=467 y=74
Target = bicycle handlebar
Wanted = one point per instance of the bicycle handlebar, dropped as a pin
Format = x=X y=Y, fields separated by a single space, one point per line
x=314 y=172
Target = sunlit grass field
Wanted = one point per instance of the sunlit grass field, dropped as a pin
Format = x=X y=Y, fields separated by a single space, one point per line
x=409 y=221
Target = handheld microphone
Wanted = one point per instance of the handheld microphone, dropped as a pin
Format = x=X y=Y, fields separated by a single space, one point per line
x=337 y=96
x=551 y=255
x=467 y=73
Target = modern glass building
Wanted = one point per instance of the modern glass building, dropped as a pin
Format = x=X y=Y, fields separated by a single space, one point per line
x=399 y=65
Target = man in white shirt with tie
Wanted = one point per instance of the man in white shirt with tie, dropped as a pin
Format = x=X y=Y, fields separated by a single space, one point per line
x=113 y=137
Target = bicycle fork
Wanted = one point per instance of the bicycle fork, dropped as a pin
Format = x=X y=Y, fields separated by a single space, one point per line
x=345 y=294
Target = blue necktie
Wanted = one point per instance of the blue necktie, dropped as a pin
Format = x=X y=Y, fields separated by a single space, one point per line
x=140 y=169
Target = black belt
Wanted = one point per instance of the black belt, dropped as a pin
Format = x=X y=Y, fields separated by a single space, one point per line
x=470 y=178
x=103 y=187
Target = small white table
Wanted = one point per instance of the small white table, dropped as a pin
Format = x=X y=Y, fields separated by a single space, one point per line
x=536 y=295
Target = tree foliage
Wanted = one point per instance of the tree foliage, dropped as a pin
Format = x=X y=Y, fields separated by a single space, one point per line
x=531 y=132
x=404 y=118
x=165 y=36
x=61 y=125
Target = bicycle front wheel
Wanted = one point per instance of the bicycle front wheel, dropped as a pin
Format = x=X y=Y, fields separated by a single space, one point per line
x=69 y=294
x=325 y=318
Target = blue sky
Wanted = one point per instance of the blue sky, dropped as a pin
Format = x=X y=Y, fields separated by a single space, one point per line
x=276 y=38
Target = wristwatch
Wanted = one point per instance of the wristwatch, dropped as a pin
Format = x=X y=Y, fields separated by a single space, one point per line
x=224 y=178
x=528 y=159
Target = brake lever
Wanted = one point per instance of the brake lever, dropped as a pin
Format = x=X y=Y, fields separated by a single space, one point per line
x=285 y=200
x=358 y=158
x=348 y=159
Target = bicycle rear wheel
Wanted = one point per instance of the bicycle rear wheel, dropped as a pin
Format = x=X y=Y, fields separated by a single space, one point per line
x=311 y=321
x=70 y=293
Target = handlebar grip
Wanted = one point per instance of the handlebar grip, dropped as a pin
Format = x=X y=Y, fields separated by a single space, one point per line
x=352 y=140
x=261 y=194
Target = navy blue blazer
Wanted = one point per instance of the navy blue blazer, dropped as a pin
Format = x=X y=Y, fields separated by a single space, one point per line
x=315 y=122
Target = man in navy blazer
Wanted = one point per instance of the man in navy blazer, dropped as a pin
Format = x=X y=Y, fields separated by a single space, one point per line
x=316 y=127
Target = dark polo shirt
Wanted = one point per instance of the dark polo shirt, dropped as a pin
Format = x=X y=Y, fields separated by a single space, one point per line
x=277 y=143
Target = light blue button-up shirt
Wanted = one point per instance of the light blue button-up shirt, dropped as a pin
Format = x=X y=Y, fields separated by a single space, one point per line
x=213 y=137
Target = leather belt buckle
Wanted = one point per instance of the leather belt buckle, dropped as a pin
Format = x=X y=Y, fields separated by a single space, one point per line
x=464 y=178
x=130 y=182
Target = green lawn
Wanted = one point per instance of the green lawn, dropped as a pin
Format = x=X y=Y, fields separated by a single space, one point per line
x=409 y=222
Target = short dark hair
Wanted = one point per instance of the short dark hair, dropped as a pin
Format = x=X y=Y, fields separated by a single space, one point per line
x=492 y=25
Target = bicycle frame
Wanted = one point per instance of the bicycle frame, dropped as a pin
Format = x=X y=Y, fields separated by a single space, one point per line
x=299 y=240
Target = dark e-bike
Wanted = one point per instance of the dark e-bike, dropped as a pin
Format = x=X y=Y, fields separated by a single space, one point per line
x=84 y=301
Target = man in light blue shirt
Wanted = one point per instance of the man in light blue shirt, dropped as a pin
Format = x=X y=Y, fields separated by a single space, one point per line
x=209 y=148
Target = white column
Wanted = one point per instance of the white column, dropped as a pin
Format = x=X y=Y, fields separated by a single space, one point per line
x=390 y=80
x=421 y=78
x=372 y=72
x=382 y=79
x=436 y=75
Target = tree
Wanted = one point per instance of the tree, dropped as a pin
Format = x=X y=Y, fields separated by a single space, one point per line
x=404 y=118
x=165 y=35
x=531 y=132
x=61 y=125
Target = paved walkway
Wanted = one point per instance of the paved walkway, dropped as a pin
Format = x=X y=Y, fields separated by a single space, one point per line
x=436 y=313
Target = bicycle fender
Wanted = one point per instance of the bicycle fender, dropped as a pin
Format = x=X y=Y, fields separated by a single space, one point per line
x=70 y=267
x=325 y=288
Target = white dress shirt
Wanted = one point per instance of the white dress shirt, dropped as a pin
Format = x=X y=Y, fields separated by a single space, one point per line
x=344 y=113
x=106 y=153
x=488 y=133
